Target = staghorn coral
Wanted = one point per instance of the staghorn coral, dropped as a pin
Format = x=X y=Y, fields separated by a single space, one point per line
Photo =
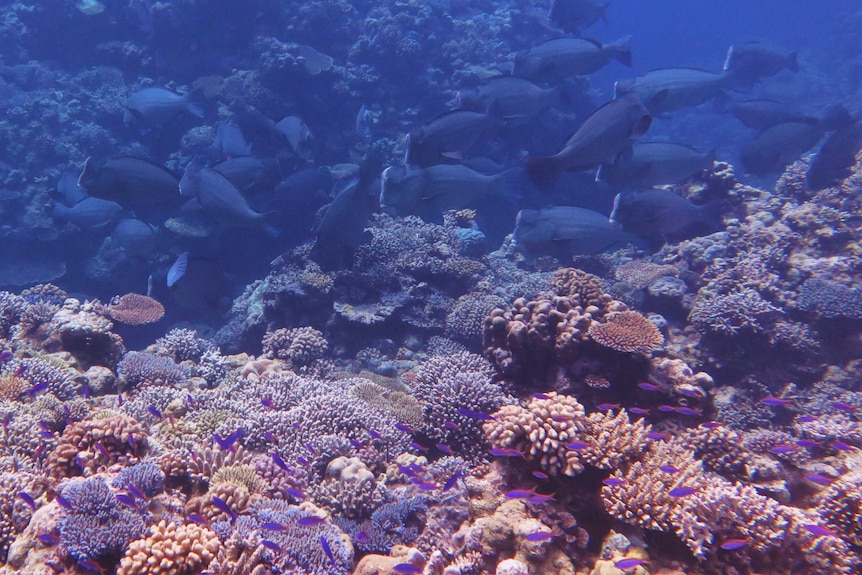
x=829 y=299
x=15 y=515
x=466 y=320
x=171 y=549
x=447 y=384
x=138 y=368
x=300 y=345
x=183 y=345
x=627 y=331
x=640 y=274
x=135 y=309
x=349 y=489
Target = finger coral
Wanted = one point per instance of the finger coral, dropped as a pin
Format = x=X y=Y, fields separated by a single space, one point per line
x=171 y=549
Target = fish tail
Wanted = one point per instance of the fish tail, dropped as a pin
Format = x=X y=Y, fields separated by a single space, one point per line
x=195 y=102
x=621 y=50
x=543 y=171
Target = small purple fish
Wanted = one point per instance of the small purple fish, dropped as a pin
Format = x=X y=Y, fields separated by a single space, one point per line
x=101 y=449
x=710 y=425
x=328 y=550
x=820 y=530
x=221 y=505
x=227 y=443
x=841 y=406
x=806 y=419
x=406 y=568
x=272 y=526
x=418 y=447
x=475 y=414
x=658 y=435
x=406 y=470
x=734 y=544
x=120 y=400
x=781 y=449
x=506 y=452
x=191 y=401
x=841 y=446
x=666 y=408
x=540 y=475
x=539 y=536
x=272 y=546
x=577 y=445
x=628 y=563
x=443 y=448
x=295 y=493
x=133 y=489
x=613 y=481
x=38 y=388
x=374 y=434
x=127 y=500
x=646 y=386
x=310 y=520
x=774 y=401
x=46 y=435
x=404 y=428
x=639 y=410
x=48 y=540
x=85 y=393
x=452 y=481
x=541 y=396
x=133 y=442
x=681 y=491
x=267 y=403
x=62 y=502
x=691 y=393
x=20 y=371
x=540 y=498
x=362 y=537
x=807 y=443
x=669 y=469
x=269 y=436
x=90 y=565
x=154 y=412
x=819 y=479
x=560 y=418
x=451 y=425
x=425 y=485
x=607 y=406
x=311 y=448
x=26 y=498
x=688 y=411
x=195 y=518
x=519 y=494
x=356 y=444
x=276 y=458
x=6 y=356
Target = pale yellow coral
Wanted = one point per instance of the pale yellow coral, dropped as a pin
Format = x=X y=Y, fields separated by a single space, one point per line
x=171 y=549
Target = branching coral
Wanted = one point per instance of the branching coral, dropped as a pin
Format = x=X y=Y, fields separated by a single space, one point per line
x=300 y=345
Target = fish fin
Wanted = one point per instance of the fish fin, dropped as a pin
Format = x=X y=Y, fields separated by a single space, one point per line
x=60 y=212
x=453 y=155
x=792 y=62
x=195 y=103
x=641 y=126
x=178 y=269
x=605 y=12
x=543 y=171
x=600 y=176
x=621 y=50
x=513 y=184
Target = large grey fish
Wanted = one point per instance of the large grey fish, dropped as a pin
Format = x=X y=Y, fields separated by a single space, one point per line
x=246 y=171
x=750 y=61
x=433 y=190
x=128 y=180
x=653 y=163
x=604 y=134
x=155 y=107
x=668 y=89
x=230 y=141
x=663 y=214
x=297 y=134
x=68 y=188
x=197 y=284
x=836 y=158
x=219 y=198
x=511 y=97
x=758 y=114
x=556 y=60
x=565 y=231
x=133 y=237
x=89 y=213
x=443 y=138
x=342 y=227
x=575 y=15
x=781 y=144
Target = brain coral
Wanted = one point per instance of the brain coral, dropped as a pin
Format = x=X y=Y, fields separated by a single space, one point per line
x=301 y=345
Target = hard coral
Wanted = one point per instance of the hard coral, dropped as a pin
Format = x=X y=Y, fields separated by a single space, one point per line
x=171 y=549
x=300 y=345
x=135 y=309
x=627 y=331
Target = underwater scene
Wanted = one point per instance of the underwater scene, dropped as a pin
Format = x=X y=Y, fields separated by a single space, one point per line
x=441 y=287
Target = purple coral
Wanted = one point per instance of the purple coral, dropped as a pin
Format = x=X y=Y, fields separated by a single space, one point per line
x=140 y=368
